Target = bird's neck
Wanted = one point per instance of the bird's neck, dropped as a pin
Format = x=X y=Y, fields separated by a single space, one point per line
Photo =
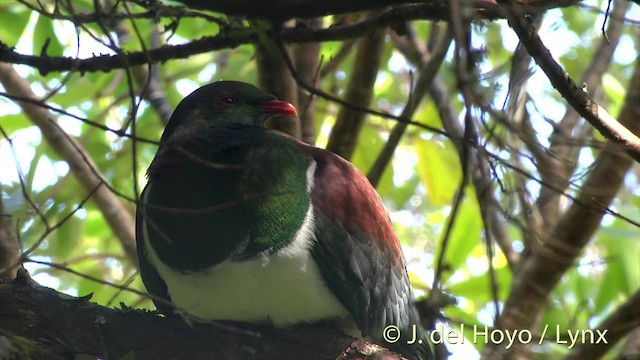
x=207 y=203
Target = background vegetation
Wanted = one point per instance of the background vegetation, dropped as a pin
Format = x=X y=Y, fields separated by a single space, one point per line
x=509 y=188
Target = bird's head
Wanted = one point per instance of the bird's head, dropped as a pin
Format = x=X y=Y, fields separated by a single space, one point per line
x=224 y=103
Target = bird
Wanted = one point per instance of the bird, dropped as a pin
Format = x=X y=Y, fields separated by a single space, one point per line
x=240 y=222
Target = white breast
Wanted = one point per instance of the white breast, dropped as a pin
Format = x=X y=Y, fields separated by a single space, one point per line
x=285 y=288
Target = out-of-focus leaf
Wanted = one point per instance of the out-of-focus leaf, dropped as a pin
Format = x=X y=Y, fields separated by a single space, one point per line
x=13 y=122
x=622 y=272
x=557 y=320
x=370 y=144
x=14 y=20
x=465 y=234
x=611 y=286
x=67 y=236
x=615 y=92
x=427 y=114
x=86 y=286
x=79 y=89
x=237 y=65
x=439 y=169
x=478 y=288
x=95 y=225
x=43 y=34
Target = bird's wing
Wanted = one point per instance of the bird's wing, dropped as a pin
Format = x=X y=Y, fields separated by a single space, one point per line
x=358 y=246
x=152 y=280
x=359 y=254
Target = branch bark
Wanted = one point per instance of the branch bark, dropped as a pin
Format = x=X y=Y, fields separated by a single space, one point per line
x=287 y=9
x=59 y=326
x=9 y=245
x=631 y=346
x=38 y=322
x=434 y=10
x=344 y=134
x=274 y=77
x=307 y=61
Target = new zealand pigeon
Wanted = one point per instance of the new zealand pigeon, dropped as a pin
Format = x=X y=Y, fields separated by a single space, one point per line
x=238 y=222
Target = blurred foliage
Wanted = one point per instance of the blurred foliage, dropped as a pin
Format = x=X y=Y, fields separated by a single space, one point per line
x=418 y=187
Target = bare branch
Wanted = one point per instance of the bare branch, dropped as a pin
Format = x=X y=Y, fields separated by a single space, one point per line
x=562 y=157
x=429 y=64
x=234 y=37
x=61 y=327
x=542 y=271
x=575 y=96
x=344 y=134
x=287 y=9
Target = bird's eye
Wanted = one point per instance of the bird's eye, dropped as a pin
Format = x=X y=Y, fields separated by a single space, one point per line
x=227 y=101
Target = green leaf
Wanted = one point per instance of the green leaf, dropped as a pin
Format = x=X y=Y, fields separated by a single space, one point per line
x=465 y=234
x=79 y=89
x=44 y=38
x=428 y=114
x=13 y=20
x=615 y=91
x=370 y=143
x=68 y=236
x=13 y=122
x=622 y=274
x=439 y=169
x=478 y=288
x=557 y=318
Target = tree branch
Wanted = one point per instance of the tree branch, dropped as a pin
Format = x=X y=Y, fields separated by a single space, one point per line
x=560 y=79
x=631 y=346
x=542 y=271
x=59 y=326
x=234 y=37
x=428 y=65
x=344 y=134
x=9 y=245
x=307 y=61
x=561 y=158
x=287 y=9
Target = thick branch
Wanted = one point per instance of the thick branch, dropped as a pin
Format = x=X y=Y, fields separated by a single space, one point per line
x=9 y=245
x=275 y=78
x=632 y=344
x=434 y=10
x=58 y=326
x=344 y=135
x=287 y=9
x=307 y=60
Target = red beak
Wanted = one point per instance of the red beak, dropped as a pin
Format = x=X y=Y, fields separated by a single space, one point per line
x=279 y=107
